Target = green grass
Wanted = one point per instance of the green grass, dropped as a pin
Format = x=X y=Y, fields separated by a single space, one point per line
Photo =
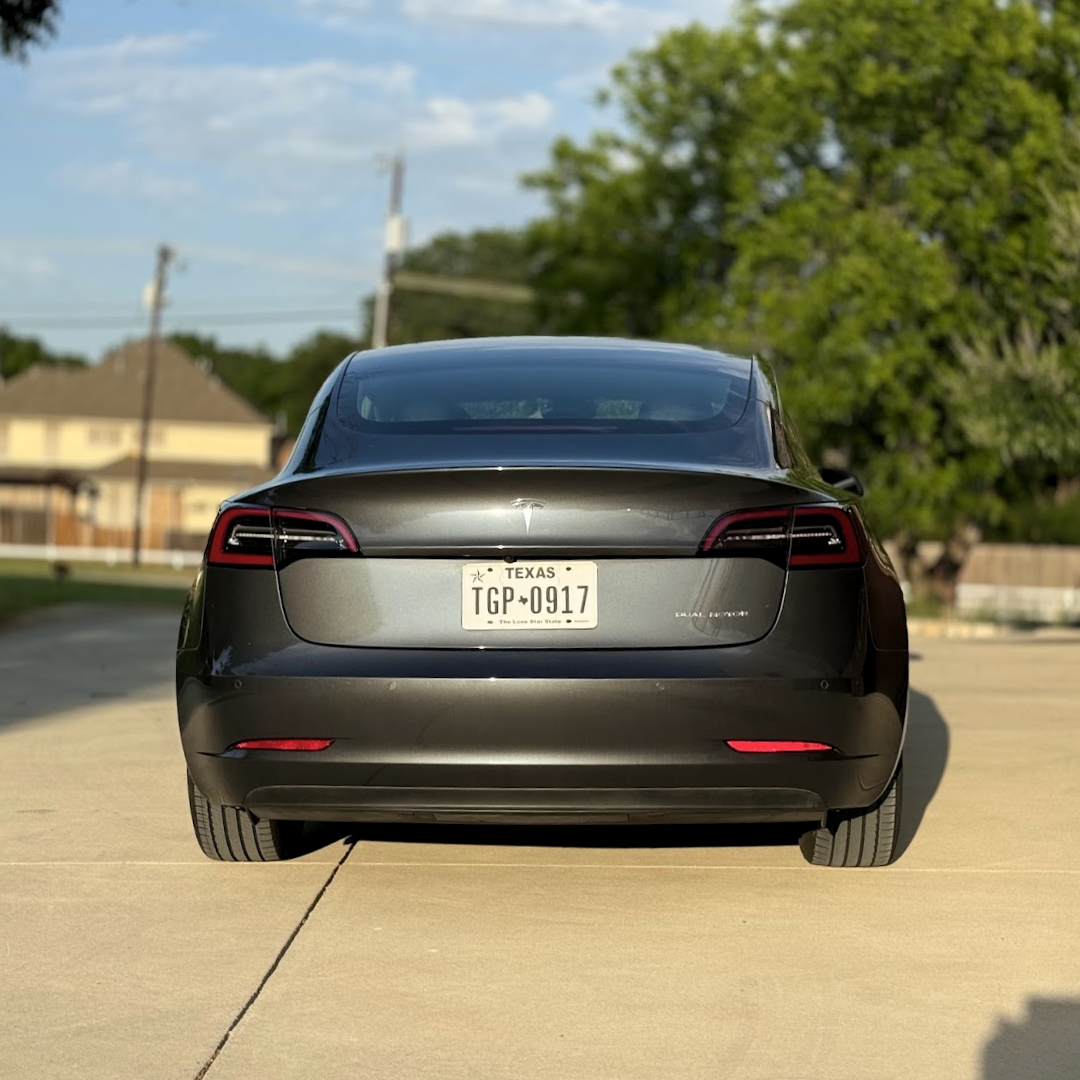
x=926 y=607
x=28 y=584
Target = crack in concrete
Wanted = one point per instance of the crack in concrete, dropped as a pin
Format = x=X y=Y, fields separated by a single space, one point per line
x=209 y=1063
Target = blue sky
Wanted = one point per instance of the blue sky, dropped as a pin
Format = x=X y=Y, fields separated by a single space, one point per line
x=247 y=134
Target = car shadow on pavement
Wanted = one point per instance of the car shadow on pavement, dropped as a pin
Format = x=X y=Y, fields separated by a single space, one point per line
x=75 y=656
x=1043 y=1045
x=926 y=755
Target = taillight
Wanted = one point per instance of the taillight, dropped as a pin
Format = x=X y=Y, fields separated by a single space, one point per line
x=750 y=532
x=824 y=537
x=305 y=745
x=307 y=532
x=242 y=536
x=776 y=746
x=806 y=535
x=247 y=536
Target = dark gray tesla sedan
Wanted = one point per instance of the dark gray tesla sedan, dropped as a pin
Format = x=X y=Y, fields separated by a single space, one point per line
x=545 y=580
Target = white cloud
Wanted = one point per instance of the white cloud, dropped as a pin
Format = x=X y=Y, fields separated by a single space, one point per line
x=122 y=179
x=615 y=18
x=23 y=256
x=223 y=96
x=601 y=15
x=16 y=267
x=284 y=129
x=336 y=14
x=276 y=121
x=140 y=47
x=450 y=122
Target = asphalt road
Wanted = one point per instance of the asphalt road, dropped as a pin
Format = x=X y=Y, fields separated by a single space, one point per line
x=485 y=954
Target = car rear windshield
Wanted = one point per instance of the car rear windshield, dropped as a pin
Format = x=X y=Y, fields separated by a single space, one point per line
x=567 y=392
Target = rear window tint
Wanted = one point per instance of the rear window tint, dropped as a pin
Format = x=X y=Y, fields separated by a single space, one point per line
x=550 y=393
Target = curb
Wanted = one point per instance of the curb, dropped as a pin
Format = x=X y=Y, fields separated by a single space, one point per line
x=956 y=628
x=960 y=629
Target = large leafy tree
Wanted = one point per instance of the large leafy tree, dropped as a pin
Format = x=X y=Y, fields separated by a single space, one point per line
x=282 y=389
x=496 y=256
x=18 y=354
x=871 y=197
x=308 y=365
x=26 y=22
x=252 y=373
x=639 y=228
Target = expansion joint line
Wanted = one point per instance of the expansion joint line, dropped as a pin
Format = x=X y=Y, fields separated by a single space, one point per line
x=209 y=1064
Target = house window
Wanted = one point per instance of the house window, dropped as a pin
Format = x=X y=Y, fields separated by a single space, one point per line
x=103 y=436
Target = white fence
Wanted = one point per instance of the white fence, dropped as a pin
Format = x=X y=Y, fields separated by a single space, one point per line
x=1000 y=581
x=110 y=556
x=1030 y=603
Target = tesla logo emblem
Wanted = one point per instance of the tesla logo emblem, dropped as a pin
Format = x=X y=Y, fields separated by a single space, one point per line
x=527 y=506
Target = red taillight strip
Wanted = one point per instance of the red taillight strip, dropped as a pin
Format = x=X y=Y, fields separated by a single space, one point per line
x=335 y=523
x=216 y=553
x=852 y=554
x=282 y=744
x=775 y=517
x=776 y=746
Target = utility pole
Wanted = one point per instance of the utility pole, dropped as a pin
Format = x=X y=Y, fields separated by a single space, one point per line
x=156 y=301
x=393 y=247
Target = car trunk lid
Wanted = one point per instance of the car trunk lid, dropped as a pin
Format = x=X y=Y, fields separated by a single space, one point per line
x=631 y=535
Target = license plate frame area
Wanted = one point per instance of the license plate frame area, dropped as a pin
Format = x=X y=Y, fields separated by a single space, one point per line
x=536 y=594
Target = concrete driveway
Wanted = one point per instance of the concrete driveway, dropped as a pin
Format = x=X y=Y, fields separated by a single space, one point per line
x=486 y=954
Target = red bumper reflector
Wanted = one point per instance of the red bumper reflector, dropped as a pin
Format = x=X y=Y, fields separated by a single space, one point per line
x=775 y=746
x=282 y=744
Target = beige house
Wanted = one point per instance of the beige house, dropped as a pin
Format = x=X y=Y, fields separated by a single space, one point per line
x=69 y=444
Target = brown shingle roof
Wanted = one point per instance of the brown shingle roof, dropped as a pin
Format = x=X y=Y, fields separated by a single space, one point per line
x=113 y=389
x=210 y=472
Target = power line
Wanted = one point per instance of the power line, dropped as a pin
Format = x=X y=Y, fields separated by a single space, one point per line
x=107 y=322
x=97 y=305
x=470 y=288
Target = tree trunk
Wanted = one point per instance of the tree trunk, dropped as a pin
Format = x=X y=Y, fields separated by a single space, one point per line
x=1066 y=489
x=936 y=582
x=913 y=568
x=945 y=573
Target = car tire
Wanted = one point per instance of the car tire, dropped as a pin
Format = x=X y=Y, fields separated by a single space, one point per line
x=231 y=834
x=859 y=837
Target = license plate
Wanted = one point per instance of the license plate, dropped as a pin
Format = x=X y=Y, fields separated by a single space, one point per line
x=528 y=596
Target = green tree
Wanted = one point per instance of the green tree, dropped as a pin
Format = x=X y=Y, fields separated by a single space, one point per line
x=487 y=255
x=307 y=367
x=17 y=354
x=281 y=389
x=252 y=373
x=26 y=22
x=875 y=182
x=639 y=230
x=1018 y=395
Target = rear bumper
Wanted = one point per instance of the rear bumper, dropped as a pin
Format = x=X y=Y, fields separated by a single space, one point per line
x=541 y=734
x=548 y=749
x=547 y=806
